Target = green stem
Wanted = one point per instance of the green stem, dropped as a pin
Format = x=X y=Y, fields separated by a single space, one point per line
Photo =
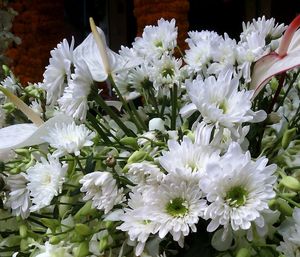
x=98 y=99
x=139 y=119
x=163 y=106
x=95 y=125
x=123 y=101
x=288 y=200
x=174 y=106
x=79 y=163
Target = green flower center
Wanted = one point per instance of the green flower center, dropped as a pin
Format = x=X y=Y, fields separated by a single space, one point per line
x=177 y=207
x=168 y=71
x=236 y=196
x=223 y=107
x=158 y=44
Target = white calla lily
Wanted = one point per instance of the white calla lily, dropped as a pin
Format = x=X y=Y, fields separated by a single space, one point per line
x=285 y=58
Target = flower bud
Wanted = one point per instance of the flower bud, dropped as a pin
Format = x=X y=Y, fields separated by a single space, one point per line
x=274 y=84
x=23 y=231
x=56 y=239
x=157 y=124
x=290 y=183
x=9 y=107
x=284 y=207
x=287 y=137
x=103 y=244
x=24 y=244
x=138 y=156
x=272 y=118
x=83 y=229
x=84 y=210
x=50 y=223
x=110 y=161
x=82 y=250
x=243 y=252
x=131 y=141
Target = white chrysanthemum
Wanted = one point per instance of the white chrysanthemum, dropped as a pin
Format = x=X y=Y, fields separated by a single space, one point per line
x=137 y=221
x=102 y=188
x=144 y=173
x=18 y=198
x=157 y=40
x=57 y=250
x=127 y=90
x=2 y=117
x=36 y=107
x=165 y=72
x=69 y=138
x=45 y=181
x=187 y=156
x=266 y=27
x=290 y=230
x=238 y=190
x=197 y=36
x=58 y=71
x=10 y=83
x=176 y=206
x=74 y=101
x=219 y=101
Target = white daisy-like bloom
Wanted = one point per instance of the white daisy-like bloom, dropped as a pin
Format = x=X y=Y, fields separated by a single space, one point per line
x=165 y=72
x=45 y=181
x=102 y=188
x=36 y=107
x=127 y=90
x=176 y=206
x=58 y=71
x=10 y=83
x=266 y=27
x=74 y=101
x=249 y=51
x=187 y=156
x=19 y=195
x=197 y=36
x=2 y=117
x=137 y=221
x=144 y=173
x=220 y=102
x=290 y=230
x=223 y=56
x=157 y=40
x=238 y=190
x=69 y=138
x=57 y=250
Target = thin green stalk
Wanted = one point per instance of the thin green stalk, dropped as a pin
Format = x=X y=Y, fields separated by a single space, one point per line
x=124 y=102
x=79 y=163
x=174 y=106
x=163 y=106
x=288 y=200
x=139 y=119
x=94 y=123
x=112 y=114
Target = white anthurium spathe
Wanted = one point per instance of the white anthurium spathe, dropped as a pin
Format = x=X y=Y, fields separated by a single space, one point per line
x=100 y=60
x=285 y=58
x=26 y=134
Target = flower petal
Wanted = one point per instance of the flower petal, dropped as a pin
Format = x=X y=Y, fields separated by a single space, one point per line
x=28 y=134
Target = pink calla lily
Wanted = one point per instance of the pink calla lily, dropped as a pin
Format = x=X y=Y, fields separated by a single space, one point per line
x=285 y=58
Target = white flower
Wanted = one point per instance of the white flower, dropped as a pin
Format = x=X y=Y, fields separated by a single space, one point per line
x=57 y=250
x=102 y=188
x=238 y=190
x=219 y=101
x=74 y=101
x=45 y=181
x=137 y=222
x=10 y=83
x=290 y=230
x=187 y=156
x=157 y=40
x=36 y=107
x=127 y=90
x=69 y=138
x=176 y=206
x=2 y=117
x=165 y=72
x=58 y=71
x=18 y=198
x=266 y=27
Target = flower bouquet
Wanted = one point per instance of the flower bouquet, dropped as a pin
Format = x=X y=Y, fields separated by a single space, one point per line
x=194 y=153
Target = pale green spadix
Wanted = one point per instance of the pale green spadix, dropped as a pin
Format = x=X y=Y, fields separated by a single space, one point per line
x=26 y=134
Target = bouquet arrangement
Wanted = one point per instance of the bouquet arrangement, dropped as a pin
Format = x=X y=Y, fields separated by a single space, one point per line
x=198 y=153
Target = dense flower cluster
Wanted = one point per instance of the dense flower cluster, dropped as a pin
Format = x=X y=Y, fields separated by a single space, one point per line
x=199 y=151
